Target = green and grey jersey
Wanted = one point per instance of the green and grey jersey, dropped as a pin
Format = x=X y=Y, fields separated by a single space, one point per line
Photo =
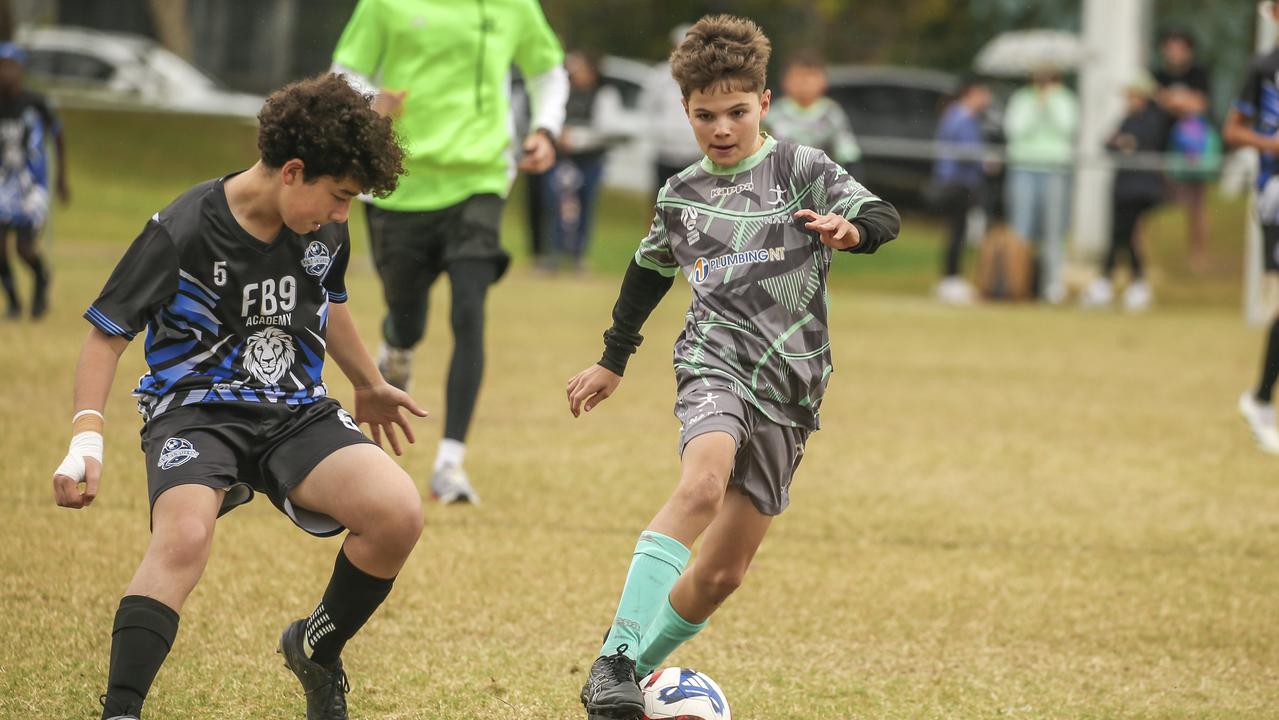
x=757 y=325
x=821 y=125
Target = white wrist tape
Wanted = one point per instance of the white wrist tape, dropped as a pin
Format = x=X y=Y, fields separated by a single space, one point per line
x=83 y=445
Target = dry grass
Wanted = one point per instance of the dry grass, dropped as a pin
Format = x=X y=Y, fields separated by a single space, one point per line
x=1011 y=512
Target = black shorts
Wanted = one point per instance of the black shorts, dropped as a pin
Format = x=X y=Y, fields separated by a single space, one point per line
x=1270 y=247
x=242 y=447
x=431 y=240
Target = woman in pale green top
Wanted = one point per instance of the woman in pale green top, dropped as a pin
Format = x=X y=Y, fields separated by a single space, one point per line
x=1040 y=125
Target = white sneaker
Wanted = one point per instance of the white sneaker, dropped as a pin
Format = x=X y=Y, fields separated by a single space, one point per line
x=449 y=484
x=954 y=290
x=1261 y=420
x=395 y=365
x=1137 y=297
x=1099 y=293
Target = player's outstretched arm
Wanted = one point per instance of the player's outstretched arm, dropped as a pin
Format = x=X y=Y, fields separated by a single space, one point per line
x=377 y=402
x=591 y=387
x=83 y=464
x=642 y=289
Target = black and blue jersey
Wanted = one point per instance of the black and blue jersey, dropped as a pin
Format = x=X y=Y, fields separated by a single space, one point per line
x=228 y=318
x=1259 y=102
x=27 y=124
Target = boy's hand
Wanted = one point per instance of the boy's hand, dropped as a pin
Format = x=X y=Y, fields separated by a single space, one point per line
x=834 y=230
x=379 y=406
x=82 y=466
x=539 y=153
x=389 y=102
x=591 y=387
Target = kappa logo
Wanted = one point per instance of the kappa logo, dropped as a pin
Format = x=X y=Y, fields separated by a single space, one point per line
x=689 y=217
x=733 y=189
x=779 y=192
x=316 y=259
x=176 y=451
x=347 y=420
x=268 y=354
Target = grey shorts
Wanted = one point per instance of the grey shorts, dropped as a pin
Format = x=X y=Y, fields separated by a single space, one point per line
x=767 y=453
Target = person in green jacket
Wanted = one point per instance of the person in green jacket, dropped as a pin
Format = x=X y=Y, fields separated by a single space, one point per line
x=441 y=68
x=1040 y=124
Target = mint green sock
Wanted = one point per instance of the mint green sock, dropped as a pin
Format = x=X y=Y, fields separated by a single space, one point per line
x=667 y=632
x=656 y=565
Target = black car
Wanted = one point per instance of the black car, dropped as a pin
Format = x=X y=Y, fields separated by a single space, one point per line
x=894 y=112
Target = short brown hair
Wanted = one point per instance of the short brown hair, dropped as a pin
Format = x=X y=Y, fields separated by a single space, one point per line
x=331 y=128
x=722 y=53
x=806 y=58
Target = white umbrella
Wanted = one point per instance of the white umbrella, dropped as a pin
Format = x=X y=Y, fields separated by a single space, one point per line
x=1020 y=53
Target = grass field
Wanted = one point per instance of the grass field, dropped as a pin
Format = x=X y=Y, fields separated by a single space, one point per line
x=1011 y=512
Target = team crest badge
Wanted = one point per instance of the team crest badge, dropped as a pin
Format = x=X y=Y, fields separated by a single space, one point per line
x=268 y=354
x=316 y=259
x=177 y=451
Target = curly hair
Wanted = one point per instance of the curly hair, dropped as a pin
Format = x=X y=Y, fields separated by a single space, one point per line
x=331 y=128
x=721 y=53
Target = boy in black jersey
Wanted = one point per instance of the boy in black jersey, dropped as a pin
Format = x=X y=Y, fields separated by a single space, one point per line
x=239 y=284
x=28 y=126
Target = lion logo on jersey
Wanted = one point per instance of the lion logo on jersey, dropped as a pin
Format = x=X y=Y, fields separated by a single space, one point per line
x=268 y=355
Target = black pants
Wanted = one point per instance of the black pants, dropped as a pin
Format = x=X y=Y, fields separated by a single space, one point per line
x=28 y=249
x=955 y=202
x=1123 y=230
x=411 y=250
x=537 y=223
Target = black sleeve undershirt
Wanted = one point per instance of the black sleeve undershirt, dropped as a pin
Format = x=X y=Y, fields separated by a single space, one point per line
x=642 y=289
x=877 y=223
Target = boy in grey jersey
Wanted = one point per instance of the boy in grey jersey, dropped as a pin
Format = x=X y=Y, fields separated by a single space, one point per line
x=753 y=228
x=805 y=115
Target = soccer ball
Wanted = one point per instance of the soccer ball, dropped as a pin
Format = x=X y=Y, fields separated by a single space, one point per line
x=683 y=694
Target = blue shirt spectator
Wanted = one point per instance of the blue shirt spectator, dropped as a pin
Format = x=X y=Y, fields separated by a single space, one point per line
x=959 y=129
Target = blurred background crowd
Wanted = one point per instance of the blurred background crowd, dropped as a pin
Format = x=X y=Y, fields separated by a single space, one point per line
x=974 y=116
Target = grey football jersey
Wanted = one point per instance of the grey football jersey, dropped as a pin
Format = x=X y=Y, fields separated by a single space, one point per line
x=757 y=325
x=822 y=125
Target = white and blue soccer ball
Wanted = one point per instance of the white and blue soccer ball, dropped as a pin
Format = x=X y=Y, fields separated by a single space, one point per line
x=683 y=694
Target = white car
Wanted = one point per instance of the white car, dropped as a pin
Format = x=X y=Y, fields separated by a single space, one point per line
x=90 y=68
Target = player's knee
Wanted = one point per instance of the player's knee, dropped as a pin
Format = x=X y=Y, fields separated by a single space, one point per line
x=702 y=493
x=716 y=584
x=399 y=519
x=468 y=324
x=184 y=541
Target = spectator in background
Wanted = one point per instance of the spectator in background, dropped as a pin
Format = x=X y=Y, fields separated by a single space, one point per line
x=26 y=123
x=959 y=181
x=570 y=189
x=1194 y=146
x=1040 y=125
x=440 y=68
x=669 y=132
x=806 y=116
x=1138 y=188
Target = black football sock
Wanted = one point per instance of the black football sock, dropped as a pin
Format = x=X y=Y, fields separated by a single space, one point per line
x=1270 y=366
x=6 y=282
x=143 y=633
x=349 y=601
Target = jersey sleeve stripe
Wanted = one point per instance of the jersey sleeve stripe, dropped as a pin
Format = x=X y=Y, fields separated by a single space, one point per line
x=643 y=261
x=337 y=297
x=105 y=324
